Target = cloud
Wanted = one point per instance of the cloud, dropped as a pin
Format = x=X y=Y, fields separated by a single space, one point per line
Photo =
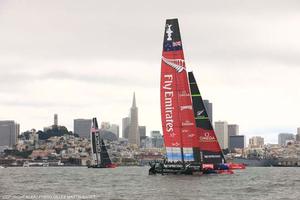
x=82 y=60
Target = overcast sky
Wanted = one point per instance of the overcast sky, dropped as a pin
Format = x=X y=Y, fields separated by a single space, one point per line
x=82 y=59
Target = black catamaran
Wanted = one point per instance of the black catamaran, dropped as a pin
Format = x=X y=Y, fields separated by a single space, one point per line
x=191 y=144
x=100 y=156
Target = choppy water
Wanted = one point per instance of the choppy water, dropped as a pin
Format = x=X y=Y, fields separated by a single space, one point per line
x=134 y=183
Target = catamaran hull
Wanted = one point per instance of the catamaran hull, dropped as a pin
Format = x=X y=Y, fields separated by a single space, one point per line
x=236 y=166
x=179 y=169
x=176 y=169
x=100 y=166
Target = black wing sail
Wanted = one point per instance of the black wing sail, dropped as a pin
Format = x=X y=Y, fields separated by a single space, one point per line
x=210 y=149
x=105 y=160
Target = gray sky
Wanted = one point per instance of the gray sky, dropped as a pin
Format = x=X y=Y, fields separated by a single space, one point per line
x=82 y=59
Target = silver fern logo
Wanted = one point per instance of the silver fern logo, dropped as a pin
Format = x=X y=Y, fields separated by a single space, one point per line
x=199 y=113
x=177 y=64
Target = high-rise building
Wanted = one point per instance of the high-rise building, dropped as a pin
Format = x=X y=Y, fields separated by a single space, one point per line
x=143 y=137
x=147 y=142
x=237 y=142
x=142 y=131
x=114 y=128
x=221 y=129
x=17 y=129
x=156 y=139
x=298 y=135
x=134 y=135
x=157 y=142
x=55 y=120
x=233 y=129
x=155 y=134
x=209 y=109
x=256 y=142
x=9 y=131
x=125 y=127
x=82 y=127
x=283 y=138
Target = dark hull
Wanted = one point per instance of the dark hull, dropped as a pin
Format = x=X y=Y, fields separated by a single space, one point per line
x=102 y=166
x=95 y=166
x=179 y=169
x=161 y=168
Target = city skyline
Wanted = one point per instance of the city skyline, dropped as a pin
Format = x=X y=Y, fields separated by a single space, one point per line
x=81 y=61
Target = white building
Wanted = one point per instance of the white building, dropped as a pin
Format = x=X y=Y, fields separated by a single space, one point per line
x=105 y=125
x=284 y=137
x=221 y=129
x=114 y=128
x=256 y=142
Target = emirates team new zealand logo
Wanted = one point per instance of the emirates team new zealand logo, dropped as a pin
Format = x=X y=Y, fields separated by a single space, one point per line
x=169 y=32
x=177 y=64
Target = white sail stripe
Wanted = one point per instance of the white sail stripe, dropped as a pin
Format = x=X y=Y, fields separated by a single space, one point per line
x=177 y=64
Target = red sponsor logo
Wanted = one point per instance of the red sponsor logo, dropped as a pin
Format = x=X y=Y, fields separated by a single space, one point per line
x=187 y=123
x=207 y=166
x=186 y=107
x=184 y=94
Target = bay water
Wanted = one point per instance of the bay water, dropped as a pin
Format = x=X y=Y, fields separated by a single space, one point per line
x=124 y=183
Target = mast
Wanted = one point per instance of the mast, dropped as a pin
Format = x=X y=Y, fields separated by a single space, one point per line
x=209 y=145
x=177 y=114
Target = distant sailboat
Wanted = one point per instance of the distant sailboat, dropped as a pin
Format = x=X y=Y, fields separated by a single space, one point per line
x=100 y=156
